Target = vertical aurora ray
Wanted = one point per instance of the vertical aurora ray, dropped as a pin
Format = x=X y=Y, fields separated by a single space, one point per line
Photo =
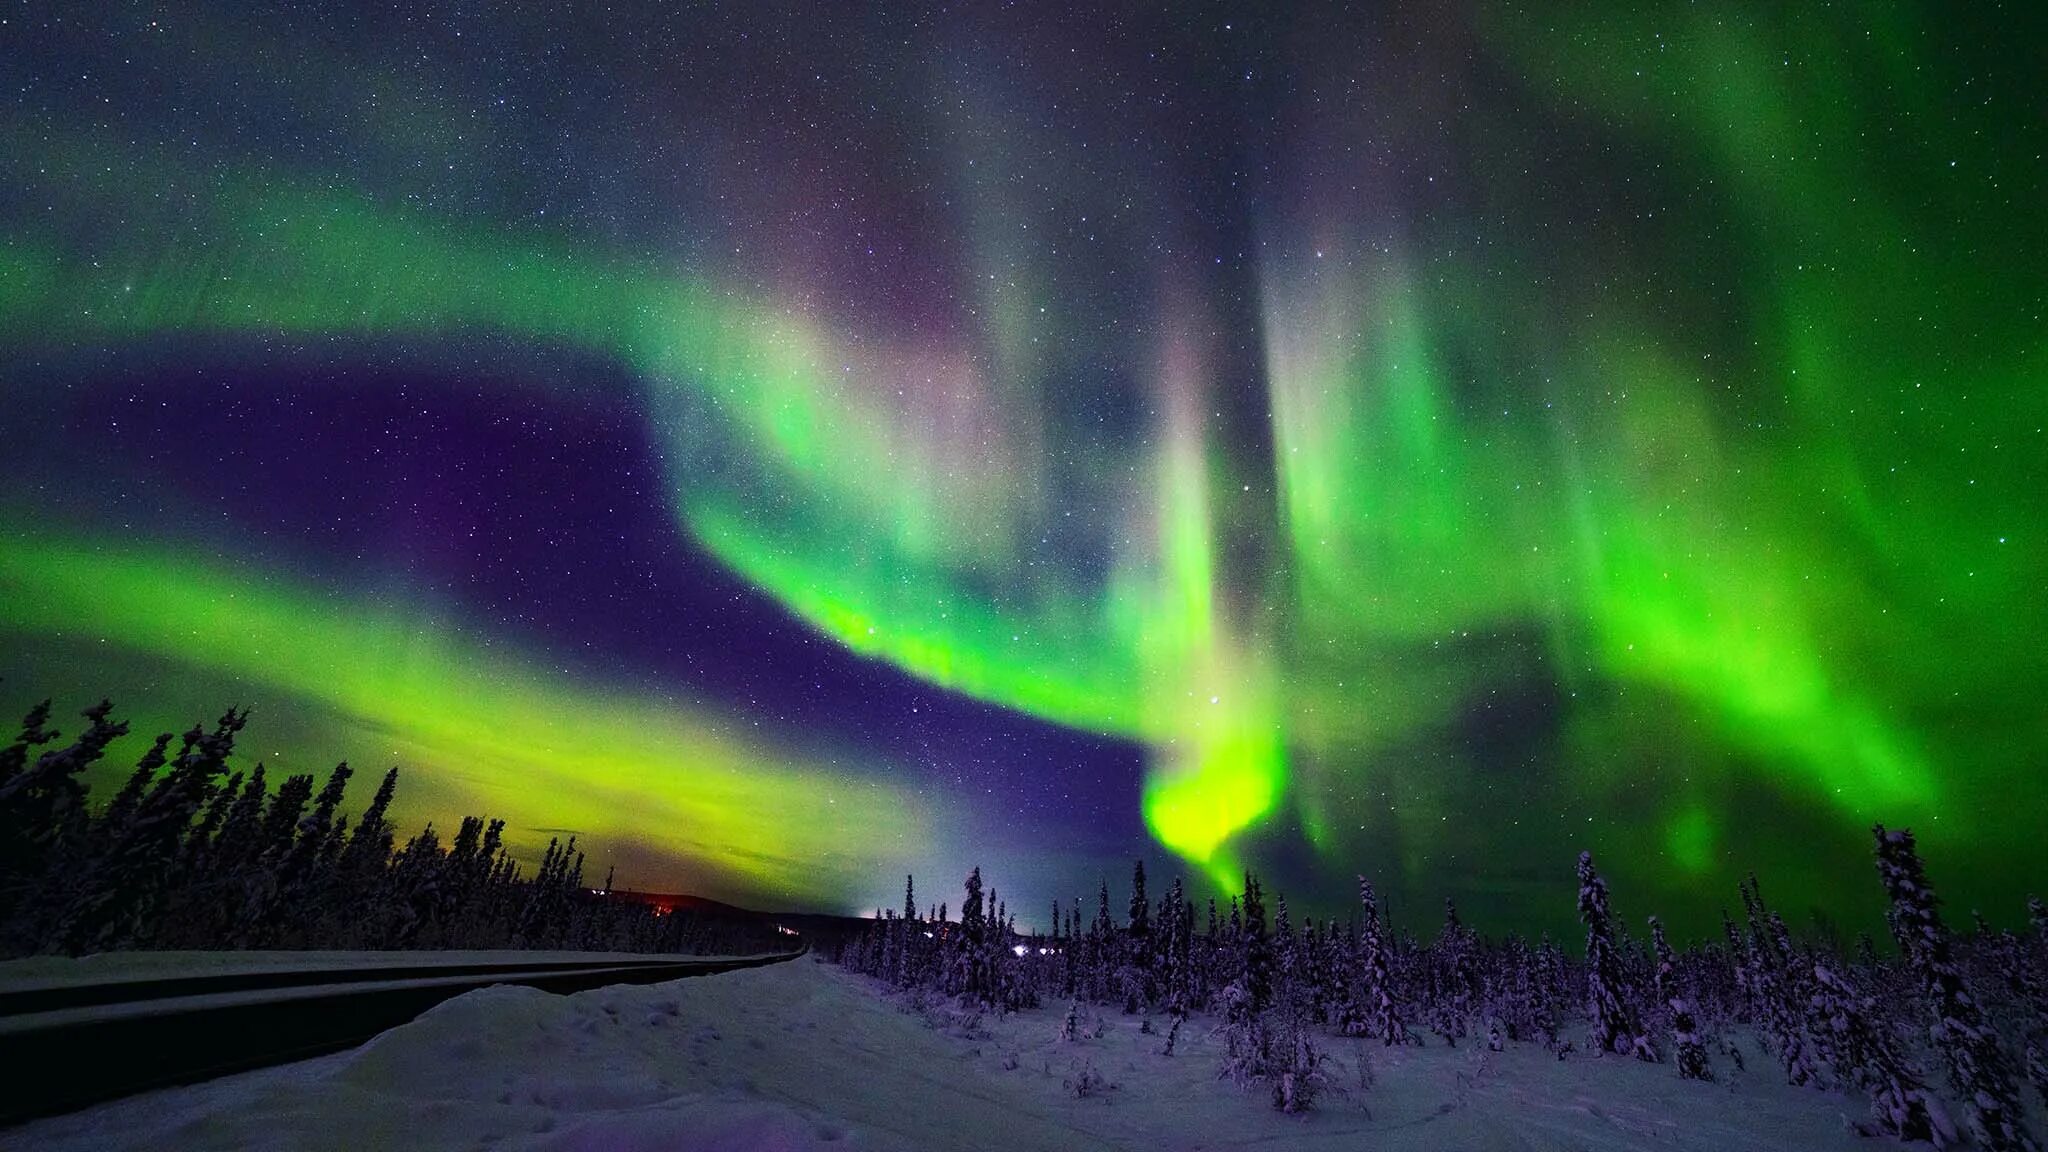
x=1211 y=708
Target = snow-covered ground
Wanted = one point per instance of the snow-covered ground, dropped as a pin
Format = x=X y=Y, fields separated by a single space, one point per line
x=803 y=1055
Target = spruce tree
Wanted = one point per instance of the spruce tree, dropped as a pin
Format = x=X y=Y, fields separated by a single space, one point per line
x=1182 y=989
x=1775 y=989
x=118 y=904
x=199 y=839
x=1865 y=1054
x=1690 y=1053
x=1134 y=972
x=1102 y=966
x=122 y=808
x=1141 y=910
x=1738 y=965
x=970 y=965
x=33 y=735
x=1247 y=1043
x=297 y=871
x=1377 y=1011
x=1450 y=979
x=1976 y=1063
x=42 y=803
x=1615 y=1028
x=1553 y=991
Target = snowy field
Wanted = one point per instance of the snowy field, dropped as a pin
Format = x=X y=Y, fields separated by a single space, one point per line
x=802 y=1055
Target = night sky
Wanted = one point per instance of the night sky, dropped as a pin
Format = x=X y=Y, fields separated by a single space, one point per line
x=793 y=445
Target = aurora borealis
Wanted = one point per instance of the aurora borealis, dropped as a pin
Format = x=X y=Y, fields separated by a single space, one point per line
x=793 y=445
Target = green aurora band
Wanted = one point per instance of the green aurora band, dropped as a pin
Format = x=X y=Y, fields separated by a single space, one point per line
x=1806 y=554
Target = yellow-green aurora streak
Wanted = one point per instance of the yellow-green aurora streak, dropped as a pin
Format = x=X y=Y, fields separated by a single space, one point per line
x=649 y=771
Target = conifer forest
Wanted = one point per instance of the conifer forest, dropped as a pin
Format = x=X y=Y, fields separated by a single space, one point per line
x=1937 y=1016
x=189 y=854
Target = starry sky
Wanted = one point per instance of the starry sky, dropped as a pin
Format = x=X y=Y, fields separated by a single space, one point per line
x=792 y=445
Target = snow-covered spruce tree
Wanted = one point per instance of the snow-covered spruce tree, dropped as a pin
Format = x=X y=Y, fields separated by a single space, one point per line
x=1976 y=1064
x=484 y=918
x=1780 y=1011
x=2011 y=974
x=415 y=888
x=1026 y=970
x=1794 y=978
x=199 y=839
x=1689 y=1052
x=1298 y=1073
x=415 y=878
x=122 y=808
x=1507 y=990
x=1374 y=992
x=995 y=952
x=1173 y=954
x=1248 y=1045
x=1738 y=965
x=1333 y=976
x=295 y=875
x=1102 y=949
x=968 y=973
x=1450 y=979
x=34 y=735
x=1003 y=964
x=43 y=818
x=253 y=891
x=910 y=939
x=1286 y=972
x=1615 y=1028
x=1134 y=968
x=350 y=909
x=2037 y=1065
x=1141 y=908
x=1865 y=1054
x=1553 y=992
x=2037 y=1037
x=1317 y=979
x=1072 y=960
x=138 y=877
x=92 y=883
x=888 y=940
x=1202 y=959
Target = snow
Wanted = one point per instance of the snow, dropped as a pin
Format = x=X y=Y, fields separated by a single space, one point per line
x=803 y=1055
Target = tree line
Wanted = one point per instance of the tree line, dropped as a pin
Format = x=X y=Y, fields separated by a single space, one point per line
x=1972 y=1007
x=193 y=853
